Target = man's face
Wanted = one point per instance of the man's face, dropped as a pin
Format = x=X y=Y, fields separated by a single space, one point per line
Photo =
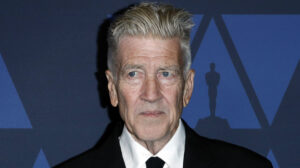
x=150 y=88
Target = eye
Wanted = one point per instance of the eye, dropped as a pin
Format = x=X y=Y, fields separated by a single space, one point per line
x=166 y=74
x=132 y=74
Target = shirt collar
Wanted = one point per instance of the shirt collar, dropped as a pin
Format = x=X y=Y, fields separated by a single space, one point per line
x=135 y=155
x=172 y=153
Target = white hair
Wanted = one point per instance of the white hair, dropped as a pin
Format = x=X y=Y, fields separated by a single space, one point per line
x=154 y=20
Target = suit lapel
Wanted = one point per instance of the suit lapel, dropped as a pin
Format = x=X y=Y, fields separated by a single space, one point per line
x=196 y=152
x=109 y=148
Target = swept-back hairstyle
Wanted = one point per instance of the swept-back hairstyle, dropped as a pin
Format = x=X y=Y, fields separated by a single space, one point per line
x=153 y=20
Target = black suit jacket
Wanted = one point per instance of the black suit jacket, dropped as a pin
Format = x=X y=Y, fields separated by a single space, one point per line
x=199 y=152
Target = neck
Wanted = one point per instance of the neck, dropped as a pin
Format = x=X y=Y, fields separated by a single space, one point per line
x=154 y=146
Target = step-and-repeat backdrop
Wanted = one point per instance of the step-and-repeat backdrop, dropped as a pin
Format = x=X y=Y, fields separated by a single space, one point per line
x=53 y=101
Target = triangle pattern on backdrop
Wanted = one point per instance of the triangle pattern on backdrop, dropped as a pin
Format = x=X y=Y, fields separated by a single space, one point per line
x=41 y=161
x=271 y=157
x=197 y=20
x=232 y=102
x=12 y=112
x=268 y=46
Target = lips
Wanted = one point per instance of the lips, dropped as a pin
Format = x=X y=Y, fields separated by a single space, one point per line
x=152 y=113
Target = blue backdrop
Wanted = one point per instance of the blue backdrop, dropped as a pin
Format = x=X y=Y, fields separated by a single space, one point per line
x=53 y=102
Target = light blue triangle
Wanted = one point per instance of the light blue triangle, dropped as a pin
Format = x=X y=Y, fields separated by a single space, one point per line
x=197 y=20
x=41 y=161
x=232 y=101
x=271 y=157
x=268 y=46
x=12 y=112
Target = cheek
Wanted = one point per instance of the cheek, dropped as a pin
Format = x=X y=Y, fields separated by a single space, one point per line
x=173 y=95
x=128 y=96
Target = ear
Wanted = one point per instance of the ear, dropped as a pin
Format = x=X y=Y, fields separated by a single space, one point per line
x=111 y=88
x=188 y=87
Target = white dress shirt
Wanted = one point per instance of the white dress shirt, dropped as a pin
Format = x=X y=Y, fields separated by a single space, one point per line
x=135 y=155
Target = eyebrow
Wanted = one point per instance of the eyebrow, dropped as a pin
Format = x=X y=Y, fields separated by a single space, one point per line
x=132 y=66
x=139 y=66
x=171 y=67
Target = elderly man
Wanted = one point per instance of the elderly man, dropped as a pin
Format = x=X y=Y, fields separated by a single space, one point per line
x=150 y=80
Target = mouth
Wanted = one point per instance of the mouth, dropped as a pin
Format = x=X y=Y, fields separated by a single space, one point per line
x=152 y=113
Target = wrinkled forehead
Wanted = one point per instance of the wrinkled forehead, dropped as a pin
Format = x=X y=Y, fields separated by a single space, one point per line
x=149 y=50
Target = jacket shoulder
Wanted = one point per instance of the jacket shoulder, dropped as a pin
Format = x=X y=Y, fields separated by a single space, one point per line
x=85 y=159
x=238 y=156
x=106 y=152
x=222 y=154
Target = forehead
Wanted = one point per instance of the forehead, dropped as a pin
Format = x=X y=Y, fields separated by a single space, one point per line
x=140 y=49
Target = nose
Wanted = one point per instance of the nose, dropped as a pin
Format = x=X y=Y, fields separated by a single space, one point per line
x=151 y=90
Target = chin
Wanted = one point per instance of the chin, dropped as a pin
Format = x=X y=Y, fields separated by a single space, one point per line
x=152 y=133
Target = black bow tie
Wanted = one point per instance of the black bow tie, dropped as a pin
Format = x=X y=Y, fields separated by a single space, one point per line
x=154 y=162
